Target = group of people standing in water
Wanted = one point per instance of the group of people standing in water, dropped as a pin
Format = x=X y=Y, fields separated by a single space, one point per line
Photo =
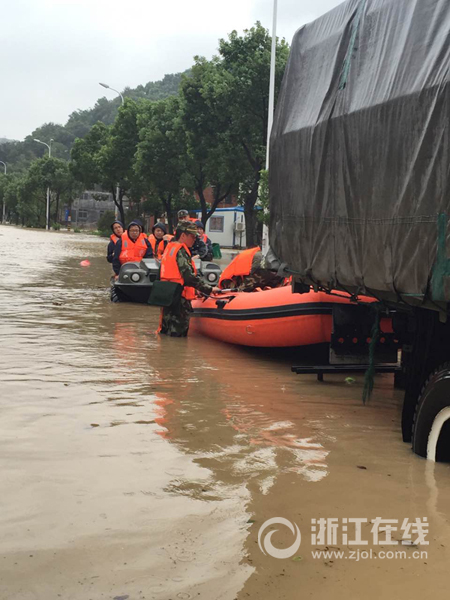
x=249 y=271
x=133 y=244
x=175 y=254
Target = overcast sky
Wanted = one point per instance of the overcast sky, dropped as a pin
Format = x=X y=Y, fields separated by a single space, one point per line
x=54 y=52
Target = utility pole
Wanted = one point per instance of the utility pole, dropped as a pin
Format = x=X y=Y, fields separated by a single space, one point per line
x=265 y=235
x=108 y=87
x=47 y=215
x=4 y=205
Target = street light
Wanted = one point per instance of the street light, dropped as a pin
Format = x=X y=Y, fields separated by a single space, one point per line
x=108 y=87
x=265 y=235
x=47 y=215
x=4 y=205
x=45 y=144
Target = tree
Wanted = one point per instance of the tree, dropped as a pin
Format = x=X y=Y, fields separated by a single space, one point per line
x=161 y=154
x=84 y=165
x=238 y=90
x=3 y=186
x=61 y=145
x=44 y=173
x=105 y=156
x=62 y=183
x=116 y=157
x=211 y=162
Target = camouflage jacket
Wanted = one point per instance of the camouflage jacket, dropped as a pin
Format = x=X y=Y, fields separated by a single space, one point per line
x=201 y=249
x=260 y=276
x=184 y=262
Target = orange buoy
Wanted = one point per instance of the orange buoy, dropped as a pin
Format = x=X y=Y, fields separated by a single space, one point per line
x=85 y=263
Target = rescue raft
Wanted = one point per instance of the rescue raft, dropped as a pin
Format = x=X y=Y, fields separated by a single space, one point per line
x=270 y=318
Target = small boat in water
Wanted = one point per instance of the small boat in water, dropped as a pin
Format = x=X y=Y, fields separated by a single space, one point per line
x=269 y=318
x=136 y=279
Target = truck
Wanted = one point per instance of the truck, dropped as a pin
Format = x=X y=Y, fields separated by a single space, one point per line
x=359 y=183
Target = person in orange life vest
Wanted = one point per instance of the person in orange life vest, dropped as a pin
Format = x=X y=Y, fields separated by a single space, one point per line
x=159 y=239
x=117 y=230
x=177 y=266
x=205 y=239
x=132 y=247
x=250 y=270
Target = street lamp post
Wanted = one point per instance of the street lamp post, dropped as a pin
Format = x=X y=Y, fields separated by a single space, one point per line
x=108 y=87
x=47 y=215
x=4 y=205
x=265 y=235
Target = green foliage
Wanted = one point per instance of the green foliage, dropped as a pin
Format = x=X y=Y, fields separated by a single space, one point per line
x=161 y=157
x=25 y=196
x=244 y=86
x=85 y=156
x=116 y=158
x=211 y=161
x=104 y=223
x=19 y=155
x=105 y=156
x=168 y=142
x=225 y=105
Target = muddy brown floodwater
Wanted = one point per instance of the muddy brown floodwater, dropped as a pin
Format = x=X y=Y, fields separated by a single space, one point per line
x=138 y=467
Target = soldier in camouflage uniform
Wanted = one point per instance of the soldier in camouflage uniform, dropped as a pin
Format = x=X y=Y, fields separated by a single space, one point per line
x=175 y=318
x=199 y=248
x=260 y=276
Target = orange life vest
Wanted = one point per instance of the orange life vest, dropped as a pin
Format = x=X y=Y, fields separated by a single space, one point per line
x=133 y=251
x=239 y=266
x=113 y=237
x=170 y=270
x=157 y=251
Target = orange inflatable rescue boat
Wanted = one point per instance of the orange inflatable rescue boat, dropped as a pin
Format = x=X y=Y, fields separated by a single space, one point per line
x=270 y=318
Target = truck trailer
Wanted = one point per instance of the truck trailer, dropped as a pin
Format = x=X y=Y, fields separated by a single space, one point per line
x=360 y=182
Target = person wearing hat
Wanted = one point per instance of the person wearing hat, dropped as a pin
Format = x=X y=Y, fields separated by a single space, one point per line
x=183 y=215
x=199 y=249
x=159 y=239
x=205 y=239
x=133 y=246
x=117 y=229
x=177 y=266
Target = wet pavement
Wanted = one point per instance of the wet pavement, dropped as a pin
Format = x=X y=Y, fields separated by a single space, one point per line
x=134 y=466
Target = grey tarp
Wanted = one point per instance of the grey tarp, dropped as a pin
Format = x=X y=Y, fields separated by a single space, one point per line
x=360 y=156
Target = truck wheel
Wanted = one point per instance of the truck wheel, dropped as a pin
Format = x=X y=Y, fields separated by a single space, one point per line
x=431 y=427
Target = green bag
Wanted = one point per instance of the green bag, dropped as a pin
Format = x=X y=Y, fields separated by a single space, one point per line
x=216 y=251
x=165 y=293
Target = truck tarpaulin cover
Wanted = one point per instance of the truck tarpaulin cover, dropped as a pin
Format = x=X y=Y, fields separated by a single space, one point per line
x=360 y=150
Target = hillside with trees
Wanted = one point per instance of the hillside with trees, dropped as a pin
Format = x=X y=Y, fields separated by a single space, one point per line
x=167 y=143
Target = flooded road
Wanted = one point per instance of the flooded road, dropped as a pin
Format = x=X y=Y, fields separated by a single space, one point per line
x=134 y=466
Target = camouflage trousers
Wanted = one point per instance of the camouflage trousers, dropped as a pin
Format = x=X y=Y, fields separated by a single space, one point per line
x=175 y=319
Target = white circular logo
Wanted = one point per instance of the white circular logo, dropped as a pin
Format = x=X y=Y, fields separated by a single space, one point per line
x=266 y=545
